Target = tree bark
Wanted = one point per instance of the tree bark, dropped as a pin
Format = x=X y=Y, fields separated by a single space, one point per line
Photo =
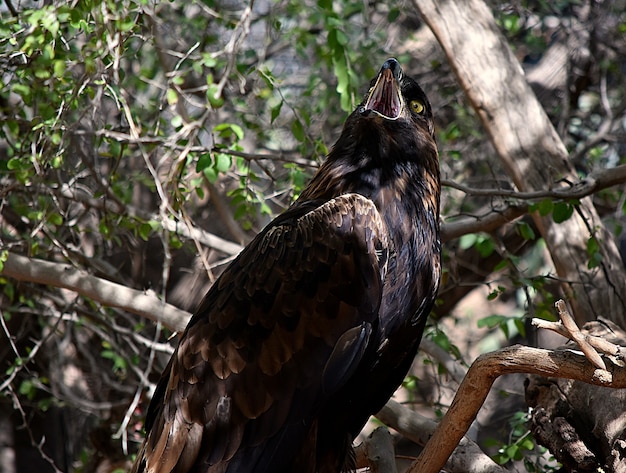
x=530 y=150
x=583 y=425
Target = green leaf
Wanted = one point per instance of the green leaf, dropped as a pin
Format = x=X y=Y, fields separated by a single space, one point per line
x=595 y=255
x=237 y=130
x=485 y=246
x=227 y=130
x=14 y=163
x=222 y=162
x=144 y=231
x=492 y=321
x=275 y=111
x=441 y=339
x=298 y=130
x=342 y=39
x=59 y=68
x=520 y=325
x=204 y=161
x=55 y=219
x=467 y=241
x=501 y=265
x=545 y=207
x=172 y=97
x=526 y=231
x=527 y=443
x=394 y=13
x=24 y=91
x=562 y=211
x=211 y=174
x=4 y=255
x=215 y=98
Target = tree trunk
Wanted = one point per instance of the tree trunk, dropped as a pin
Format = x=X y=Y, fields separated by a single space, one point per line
x=583 y=425
x=531 y=151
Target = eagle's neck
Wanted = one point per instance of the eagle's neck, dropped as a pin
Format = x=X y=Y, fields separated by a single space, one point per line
x=404 y=186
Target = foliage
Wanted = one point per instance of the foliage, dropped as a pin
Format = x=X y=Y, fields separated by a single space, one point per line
x=125 y=127
x=521 y=447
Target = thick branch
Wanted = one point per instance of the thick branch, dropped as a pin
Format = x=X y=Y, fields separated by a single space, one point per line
x=481 y=376
x=106 y=292
x=419 y=429
x=377 y=452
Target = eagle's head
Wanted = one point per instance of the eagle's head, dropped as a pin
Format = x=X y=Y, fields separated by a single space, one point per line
x=393 y=124
x=389 y=136
x=394 y=96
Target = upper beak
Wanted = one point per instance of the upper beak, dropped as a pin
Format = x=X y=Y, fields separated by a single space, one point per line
x=385 y=97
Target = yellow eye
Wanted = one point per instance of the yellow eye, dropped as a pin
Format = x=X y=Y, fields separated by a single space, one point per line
x=417 y=106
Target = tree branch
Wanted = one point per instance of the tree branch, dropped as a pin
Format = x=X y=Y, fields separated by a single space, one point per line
x=597 y=180
x=377 y=452
x=183 y=229
x=106 y=292
x=466 y=457
x=482 y=223
x=481 y=376
x=590 y=345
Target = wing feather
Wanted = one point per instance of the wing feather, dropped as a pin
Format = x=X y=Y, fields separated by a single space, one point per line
x=283 y=327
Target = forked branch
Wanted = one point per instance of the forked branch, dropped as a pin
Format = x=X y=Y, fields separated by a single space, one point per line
x=561 y=363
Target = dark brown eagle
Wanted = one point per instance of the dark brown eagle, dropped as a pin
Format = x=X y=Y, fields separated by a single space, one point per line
x=315 y=324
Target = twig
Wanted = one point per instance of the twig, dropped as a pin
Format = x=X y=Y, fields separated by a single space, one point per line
x=38 y=445
x=590 y=345
x=577 y=336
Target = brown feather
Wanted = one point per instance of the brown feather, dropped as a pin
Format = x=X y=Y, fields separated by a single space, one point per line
x=314 y=324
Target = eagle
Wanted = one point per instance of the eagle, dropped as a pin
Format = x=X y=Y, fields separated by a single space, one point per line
x=315 y=324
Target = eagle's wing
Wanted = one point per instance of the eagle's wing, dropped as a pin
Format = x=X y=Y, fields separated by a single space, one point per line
x=283 y=328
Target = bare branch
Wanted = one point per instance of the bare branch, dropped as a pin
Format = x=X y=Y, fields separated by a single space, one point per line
x=591 y=184
x=377 y=452
x=589 y=344
x=578 y=337
x=482 y=223
x=481 y=376
x=419 y=429
x=108 y=293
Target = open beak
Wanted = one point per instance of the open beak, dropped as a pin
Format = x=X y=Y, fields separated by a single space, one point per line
x=385 y=98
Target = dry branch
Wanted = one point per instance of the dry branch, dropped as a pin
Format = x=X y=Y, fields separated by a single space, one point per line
x=481 y=376
x=106 y=292
x=563 y=363
x=594 y=182
x=467 y=456
x=590 y=345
